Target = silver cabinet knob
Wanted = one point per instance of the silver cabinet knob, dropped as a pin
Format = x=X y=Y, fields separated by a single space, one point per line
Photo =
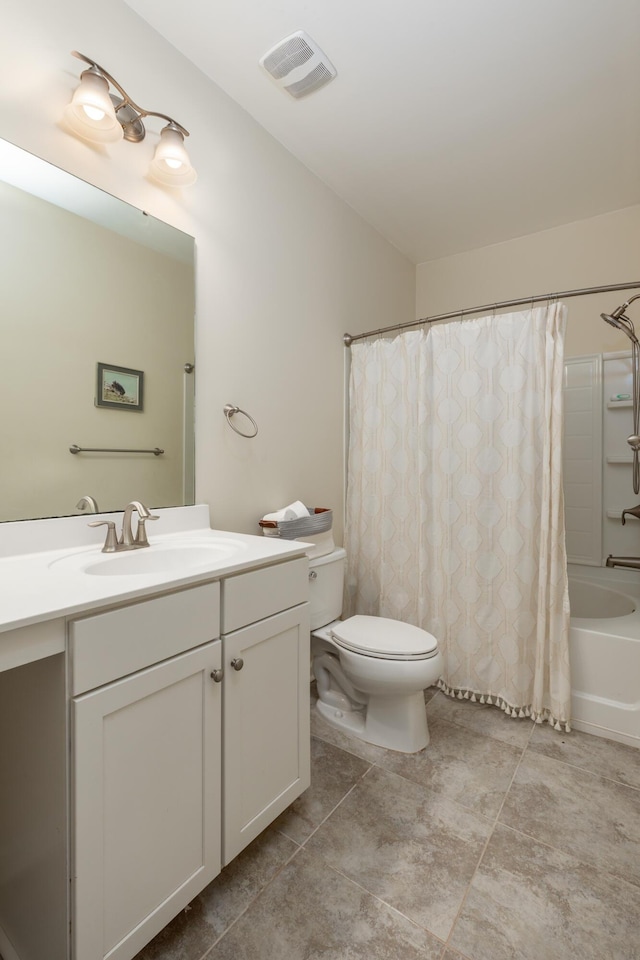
x=217 y=675
x=313 y=575
x=238 y=663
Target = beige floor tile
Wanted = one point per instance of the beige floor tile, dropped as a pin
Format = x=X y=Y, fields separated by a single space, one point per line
x=430 y=693
x=197 y=928
x=411 y=832
x=487 y=720
x=333 y=773
x=413 y=848
x=310 y=912
x=465 y=766
x=617 y=761
x=594 y=819
x=529 y=902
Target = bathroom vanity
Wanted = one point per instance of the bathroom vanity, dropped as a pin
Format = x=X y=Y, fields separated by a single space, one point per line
x=153 y=721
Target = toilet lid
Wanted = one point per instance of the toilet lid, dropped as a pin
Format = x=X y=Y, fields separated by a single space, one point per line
x=388 y=639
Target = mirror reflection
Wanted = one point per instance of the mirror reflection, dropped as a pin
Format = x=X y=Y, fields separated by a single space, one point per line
x=97 y=327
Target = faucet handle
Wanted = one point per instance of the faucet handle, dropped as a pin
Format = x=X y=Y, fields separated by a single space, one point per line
x=111 y=541
x=141 y=531
x=632 y=511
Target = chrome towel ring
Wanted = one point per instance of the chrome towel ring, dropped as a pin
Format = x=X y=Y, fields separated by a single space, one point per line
x=229 y=410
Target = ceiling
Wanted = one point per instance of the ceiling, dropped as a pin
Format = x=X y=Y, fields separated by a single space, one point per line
x=452 y=124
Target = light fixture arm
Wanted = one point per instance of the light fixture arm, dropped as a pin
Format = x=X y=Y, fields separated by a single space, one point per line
x=126 y=99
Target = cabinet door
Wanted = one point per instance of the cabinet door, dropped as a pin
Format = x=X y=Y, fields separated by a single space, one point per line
x=265 y=724
x=145 y=802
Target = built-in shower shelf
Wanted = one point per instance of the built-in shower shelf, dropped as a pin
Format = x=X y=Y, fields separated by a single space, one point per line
x=617 y=460
x=617 y=404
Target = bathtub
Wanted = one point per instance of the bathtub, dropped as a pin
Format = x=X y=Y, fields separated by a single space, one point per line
x=604 y=646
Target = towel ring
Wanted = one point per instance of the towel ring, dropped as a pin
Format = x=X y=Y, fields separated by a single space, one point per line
x=229 y=410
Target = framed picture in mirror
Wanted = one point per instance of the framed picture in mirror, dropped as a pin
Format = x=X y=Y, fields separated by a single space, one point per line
x=119 y=388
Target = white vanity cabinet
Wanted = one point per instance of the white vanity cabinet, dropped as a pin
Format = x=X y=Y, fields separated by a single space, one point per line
x=265 y=697
x=145 y=768
x=141 y=750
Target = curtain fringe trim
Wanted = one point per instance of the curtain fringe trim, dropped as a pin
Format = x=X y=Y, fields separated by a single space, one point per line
x=544 y=716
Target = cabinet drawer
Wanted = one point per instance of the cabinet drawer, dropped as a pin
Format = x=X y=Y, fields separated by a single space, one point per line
x=114 y=644
x=250 y=597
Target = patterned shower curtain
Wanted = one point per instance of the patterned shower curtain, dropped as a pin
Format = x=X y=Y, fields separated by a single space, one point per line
x=455 y=516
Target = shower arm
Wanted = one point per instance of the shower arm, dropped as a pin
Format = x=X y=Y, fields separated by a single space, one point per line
x=620 y=310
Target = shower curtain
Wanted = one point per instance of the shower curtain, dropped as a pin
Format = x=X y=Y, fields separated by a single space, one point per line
x=454 y=502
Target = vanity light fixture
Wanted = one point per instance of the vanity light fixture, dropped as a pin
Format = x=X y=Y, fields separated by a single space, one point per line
x=97 y=115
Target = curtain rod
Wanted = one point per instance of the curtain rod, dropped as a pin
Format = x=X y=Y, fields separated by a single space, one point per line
x=611 y=288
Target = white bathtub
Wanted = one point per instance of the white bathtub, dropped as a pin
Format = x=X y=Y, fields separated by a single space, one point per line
x=605 y=652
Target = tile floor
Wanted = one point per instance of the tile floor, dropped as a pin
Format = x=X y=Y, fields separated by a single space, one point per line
x=503 y=840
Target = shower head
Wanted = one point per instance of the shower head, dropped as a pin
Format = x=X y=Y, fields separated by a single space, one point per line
x=610 y=318
x=618 y=320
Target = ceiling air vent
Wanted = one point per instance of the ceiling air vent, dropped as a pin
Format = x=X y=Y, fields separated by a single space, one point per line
x=298 y=65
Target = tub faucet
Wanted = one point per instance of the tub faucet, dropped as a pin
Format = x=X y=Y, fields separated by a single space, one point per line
x=632 y=562
x=632 y=511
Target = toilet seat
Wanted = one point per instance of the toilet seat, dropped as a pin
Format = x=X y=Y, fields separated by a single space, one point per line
x=383 y=638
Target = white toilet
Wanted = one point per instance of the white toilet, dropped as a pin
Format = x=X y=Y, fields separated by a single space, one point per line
x=371 y=672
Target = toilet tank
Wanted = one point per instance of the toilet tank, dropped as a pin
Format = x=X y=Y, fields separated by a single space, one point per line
x=326 y=584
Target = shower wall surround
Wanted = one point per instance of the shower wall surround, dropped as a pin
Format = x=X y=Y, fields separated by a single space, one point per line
x=617 y=484
x=582 y=459
x=597 y=459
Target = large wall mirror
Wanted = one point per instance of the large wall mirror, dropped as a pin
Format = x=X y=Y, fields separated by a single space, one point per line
x=91 y=285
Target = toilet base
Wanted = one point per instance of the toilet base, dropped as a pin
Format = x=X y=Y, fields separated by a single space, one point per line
x=397 y=723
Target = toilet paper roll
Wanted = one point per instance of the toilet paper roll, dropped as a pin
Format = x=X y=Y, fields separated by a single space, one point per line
x=276 y=515
x=294 y=511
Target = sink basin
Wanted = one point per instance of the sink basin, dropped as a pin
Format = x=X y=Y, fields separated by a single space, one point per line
x=175 y=558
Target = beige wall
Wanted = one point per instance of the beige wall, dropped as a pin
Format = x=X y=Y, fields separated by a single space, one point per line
x=75 y=294
x=601 y=250
x=283 y=266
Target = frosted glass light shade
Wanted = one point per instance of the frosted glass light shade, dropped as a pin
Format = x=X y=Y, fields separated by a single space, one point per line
x=171 y=165
x=91 y=114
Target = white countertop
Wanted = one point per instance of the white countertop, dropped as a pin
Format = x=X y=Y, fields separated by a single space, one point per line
x=35 y=588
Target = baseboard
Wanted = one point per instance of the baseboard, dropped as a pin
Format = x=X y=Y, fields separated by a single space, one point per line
x=585 y=727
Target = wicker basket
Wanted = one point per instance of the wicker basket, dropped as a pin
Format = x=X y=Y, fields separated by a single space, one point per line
x=319 y=521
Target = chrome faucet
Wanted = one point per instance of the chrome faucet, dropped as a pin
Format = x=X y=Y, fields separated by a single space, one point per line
x=632 y=562
x=87 y=503
x=126 y=540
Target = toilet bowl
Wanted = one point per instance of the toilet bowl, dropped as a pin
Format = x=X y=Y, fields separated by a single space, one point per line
x=371 y=672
